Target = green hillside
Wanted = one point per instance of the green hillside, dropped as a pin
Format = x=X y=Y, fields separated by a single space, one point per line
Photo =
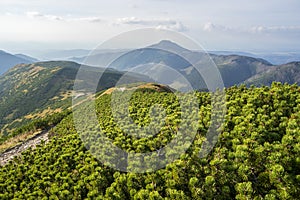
x=34 y=91
x=256 y=156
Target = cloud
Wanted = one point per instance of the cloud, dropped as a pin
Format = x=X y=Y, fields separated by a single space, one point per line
x=88 y=19
x=210 y=27
x=35 y=14
x=272 y=29
x=178 y=26
x=38 y=15
x=158 y=23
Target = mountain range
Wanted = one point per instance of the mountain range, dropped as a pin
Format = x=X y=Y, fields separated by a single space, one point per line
x=235 y=69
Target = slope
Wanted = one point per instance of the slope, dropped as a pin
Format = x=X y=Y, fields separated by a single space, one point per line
x=256 y=156
x=33 y=91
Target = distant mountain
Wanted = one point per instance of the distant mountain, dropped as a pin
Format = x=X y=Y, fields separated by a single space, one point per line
x=29 y=91
x=29 y=58
x=230 y=53
x=8 y=60
x=152 y=60
x=99 y=59
x=102 y=58
x=280 y=58
x=171 y=46
x=149 y=55
x=277 y=58
x=287 y=73
x=55 y=54
x=236 y=69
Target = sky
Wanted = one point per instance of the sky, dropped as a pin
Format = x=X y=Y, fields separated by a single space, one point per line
x=257 y=25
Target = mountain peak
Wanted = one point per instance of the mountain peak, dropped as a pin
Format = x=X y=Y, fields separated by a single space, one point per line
x=168 y=45
x=167 y=42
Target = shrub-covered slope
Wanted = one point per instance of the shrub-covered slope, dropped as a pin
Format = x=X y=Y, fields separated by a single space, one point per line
x=257 y=155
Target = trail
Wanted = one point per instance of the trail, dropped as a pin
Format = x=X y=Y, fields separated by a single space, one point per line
x=10 y=153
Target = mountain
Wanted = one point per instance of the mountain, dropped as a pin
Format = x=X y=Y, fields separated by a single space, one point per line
x=287 y=73
x=30 y=91
x=279 y=58
x=229 y=53
x=148 y=55
x=102 y=58
x=276 y=58
x=8 y=60
x=155 y=61
x=99 y=59
x=60 y=54
x=236 y=69
x=29 y=58
x=169 y=45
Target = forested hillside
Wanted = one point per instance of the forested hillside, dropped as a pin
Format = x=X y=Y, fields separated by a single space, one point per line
x=31 y=92
x=257 y=155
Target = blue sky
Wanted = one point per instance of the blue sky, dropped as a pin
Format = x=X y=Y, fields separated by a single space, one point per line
x=257 y=25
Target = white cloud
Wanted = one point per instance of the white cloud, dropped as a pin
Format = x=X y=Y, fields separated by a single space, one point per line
x=38 y=15
x=35 y=14
x=90 y=19
x=274 y=29
x=210 y=27
x=158 y=23
x=178 y=26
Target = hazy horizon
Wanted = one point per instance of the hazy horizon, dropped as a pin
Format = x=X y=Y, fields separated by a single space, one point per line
x=266 y=26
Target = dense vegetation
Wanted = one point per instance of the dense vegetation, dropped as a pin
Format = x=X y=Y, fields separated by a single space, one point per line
x=31 y=91
x=257 y=155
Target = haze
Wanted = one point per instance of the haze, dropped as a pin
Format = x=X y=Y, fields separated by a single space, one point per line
x=217 y=25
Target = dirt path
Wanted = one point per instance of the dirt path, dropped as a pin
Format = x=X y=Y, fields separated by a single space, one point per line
x=9 y=154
